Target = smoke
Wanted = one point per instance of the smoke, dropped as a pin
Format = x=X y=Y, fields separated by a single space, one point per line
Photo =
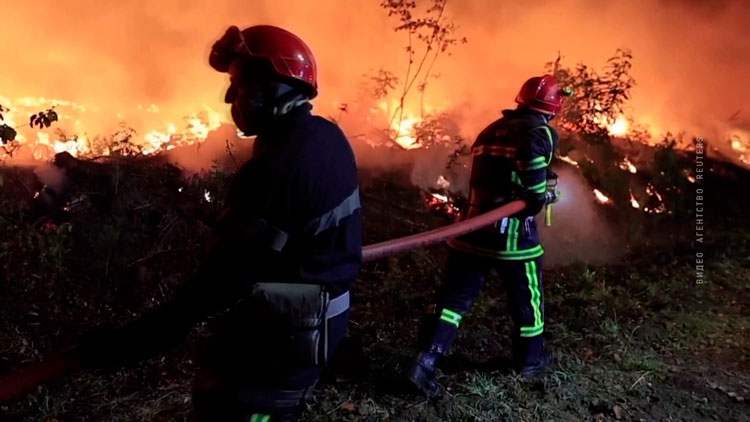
x=51 y=176
x=145 y=63
x=223 y=148
x=578 y=232
x=690 y=58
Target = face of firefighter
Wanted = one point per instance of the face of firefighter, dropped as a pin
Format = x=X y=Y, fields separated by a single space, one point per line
x=258 y=96
x=248 y=107
x=250 y=94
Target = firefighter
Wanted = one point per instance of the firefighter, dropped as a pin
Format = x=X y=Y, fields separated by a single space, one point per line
x=285 y=250
x=511 y=158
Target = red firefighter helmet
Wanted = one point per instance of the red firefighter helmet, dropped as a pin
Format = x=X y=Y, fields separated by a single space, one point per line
x=288 y=55
x=543 y=94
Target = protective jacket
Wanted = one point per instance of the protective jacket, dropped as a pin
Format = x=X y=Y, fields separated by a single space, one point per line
x=294 y=207
x=292 y=216
x=510 y=161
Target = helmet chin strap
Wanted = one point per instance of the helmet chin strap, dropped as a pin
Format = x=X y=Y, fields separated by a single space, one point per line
x=286 y=106
x=258 y=109
x=286 y=99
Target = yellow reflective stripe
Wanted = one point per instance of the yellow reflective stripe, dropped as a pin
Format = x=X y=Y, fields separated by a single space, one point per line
x=551 y=141
x=259 y=417
x=535 y=164
x=532 y=333
x=511 y=242
x=529 y=253
x=536 y=295
x=514 y=178
x=451 y=317
x=534 y=161
x=540 y=187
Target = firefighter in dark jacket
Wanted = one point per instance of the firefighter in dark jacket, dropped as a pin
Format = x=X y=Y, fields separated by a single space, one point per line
x=511 y=158
x=285 y=251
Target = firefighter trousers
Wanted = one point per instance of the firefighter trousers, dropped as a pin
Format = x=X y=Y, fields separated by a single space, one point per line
x=465 y=275
x=241 y=383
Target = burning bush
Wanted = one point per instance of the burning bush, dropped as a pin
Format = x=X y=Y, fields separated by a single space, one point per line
x=594 y=111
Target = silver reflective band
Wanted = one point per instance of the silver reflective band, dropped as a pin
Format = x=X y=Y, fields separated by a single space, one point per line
x=331 y=218
x=337 y=306
x=504 y=225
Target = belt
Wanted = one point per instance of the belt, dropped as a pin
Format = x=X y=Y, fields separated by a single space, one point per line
x=337 y=305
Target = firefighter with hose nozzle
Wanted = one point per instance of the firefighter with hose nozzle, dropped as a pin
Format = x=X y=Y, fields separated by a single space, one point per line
x=280 y=265
x=511 y=159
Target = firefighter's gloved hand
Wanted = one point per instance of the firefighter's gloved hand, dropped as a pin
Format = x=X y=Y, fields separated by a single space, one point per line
x=552 y=196
x=534 y=204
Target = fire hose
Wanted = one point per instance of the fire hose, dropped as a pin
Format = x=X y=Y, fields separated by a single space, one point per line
x=424 y=239
x=61 y=364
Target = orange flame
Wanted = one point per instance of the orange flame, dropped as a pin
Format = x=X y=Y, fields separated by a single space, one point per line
x=43 y=144
x=404 y=132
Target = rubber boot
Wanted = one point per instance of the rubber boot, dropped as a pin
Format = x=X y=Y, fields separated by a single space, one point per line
x=422 y=375
x=530 y=356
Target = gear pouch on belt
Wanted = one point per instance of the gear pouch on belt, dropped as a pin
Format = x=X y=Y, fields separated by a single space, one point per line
x=294 y=318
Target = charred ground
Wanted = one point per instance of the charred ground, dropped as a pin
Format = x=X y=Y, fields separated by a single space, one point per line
x=633 y=340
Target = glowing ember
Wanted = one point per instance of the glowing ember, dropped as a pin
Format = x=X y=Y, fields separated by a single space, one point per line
x=634 y=202
x=568 y=160
x=627 y=165
x=441 y=202
x=439 y=197
x=658 y=210
x=602 y=198
x=207 y=195
x=651 y=190
x=691 y=179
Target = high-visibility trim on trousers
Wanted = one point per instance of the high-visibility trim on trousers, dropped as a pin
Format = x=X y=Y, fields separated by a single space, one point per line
x=451 y=317
x=533 y=284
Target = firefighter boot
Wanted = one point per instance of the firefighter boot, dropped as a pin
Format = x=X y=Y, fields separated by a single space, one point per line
x=530 y=356
x=422 y=375
x=436 y=335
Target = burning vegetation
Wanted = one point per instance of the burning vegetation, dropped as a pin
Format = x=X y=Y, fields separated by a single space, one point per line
x=95 y=199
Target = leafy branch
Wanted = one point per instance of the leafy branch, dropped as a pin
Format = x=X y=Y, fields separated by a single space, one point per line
x=43 y=119
x=597 y=98
x=434 y=31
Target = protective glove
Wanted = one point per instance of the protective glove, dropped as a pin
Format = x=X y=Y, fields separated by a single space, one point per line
x=552 y=196
x=534 y=204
